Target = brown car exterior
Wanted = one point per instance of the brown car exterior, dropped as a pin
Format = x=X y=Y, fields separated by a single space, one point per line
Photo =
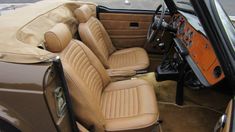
x=25 y=104
x=31 y=92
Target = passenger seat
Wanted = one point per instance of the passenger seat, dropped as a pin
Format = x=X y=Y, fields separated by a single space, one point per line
x=97 y=39
x=128 y=105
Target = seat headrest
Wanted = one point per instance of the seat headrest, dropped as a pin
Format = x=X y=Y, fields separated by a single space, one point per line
x=83 y=13
x=57 y=38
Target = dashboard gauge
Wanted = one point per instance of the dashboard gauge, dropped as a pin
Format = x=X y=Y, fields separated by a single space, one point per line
x=192 y=36
x=188 y=35
x=190 y=43
x=174 y=23
x=181 y=27
x=178 y=20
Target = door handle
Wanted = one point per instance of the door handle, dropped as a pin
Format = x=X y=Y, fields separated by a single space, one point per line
x=134 y=25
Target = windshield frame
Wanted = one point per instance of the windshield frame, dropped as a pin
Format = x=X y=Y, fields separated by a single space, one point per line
x=227 y=25
x=191 y=11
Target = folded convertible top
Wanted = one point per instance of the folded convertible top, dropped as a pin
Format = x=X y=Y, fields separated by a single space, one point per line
x=22 y=32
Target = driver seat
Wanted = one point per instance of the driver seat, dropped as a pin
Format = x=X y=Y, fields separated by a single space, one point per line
x=94 y=35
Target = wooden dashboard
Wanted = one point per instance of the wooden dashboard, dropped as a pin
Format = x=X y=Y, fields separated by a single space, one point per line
x=199 y=48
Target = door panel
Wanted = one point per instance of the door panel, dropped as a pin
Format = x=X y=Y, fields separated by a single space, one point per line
x=126 y=30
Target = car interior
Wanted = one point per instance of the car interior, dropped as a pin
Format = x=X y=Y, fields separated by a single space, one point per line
x=135 y=70
x=136 y=101
x=112 y=64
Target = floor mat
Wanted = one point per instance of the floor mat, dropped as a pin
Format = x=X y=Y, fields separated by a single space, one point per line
x=200 y=112
x=187 y=118
x=208 y=97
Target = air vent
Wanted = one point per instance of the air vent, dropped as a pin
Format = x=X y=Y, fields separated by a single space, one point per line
x=217 y=71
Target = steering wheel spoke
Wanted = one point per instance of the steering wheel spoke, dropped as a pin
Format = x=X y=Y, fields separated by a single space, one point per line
x=156 y=24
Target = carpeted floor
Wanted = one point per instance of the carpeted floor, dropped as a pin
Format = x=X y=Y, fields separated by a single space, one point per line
x=187 y=118
x=200 y=112
x=207 y=97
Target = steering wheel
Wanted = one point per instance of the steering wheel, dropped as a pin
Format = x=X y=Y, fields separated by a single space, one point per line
x=156 y=24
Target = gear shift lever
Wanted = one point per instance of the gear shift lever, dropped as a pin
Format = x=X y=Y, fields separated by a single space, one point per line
x=165 y=62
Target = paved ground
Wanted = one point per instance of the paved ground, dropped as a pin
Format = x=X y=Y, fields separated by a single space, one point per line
x=229 y=5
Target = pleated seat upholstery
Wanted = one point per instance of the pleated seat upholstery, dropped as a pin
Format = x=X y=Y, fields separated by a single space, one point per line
x=94 y=35
x=129 y=59
x=128 y=105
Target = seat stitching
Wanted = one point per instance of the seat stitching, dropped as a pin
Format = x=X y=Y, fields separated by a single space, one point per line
x=123 y=88
x=132 y=116
x=93 y=66
x=138 y=101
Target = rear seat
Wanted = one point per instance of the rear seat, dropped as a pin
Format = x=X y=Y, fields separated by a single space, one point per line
x=128 y=105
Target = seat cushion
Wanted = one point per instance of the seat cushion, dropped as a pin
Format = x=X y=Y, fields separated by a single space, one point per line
x=129 y=59
x=129 y=105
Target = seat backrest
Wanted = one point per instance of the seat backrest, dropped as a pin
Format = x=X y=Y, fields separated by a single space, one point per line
x=85 y=75
x=93 y=34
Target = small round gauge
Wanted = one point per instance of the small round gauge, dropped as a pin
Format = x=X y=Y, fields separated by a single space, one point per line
x=191 y=35
x=181 y=27
x=174 y=23
x=188 y=35
x=178 y=20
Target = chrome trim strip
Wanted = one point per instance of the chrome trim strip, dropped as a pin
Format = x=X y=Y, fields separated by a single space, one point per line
x=20 y=91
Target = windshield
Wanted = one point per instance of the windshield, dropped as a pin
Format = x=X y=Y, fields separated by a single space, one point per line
x=227 y=24
x=184 y=5
x=128 y=4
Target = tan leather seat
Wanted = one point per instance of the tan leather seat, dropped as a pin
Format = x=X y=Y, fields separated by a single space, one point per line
x=128 y=105
x=95 y=36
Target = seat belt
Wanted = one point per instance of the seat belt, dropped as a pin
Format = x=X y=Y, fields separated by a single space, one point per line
x=75 y=128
